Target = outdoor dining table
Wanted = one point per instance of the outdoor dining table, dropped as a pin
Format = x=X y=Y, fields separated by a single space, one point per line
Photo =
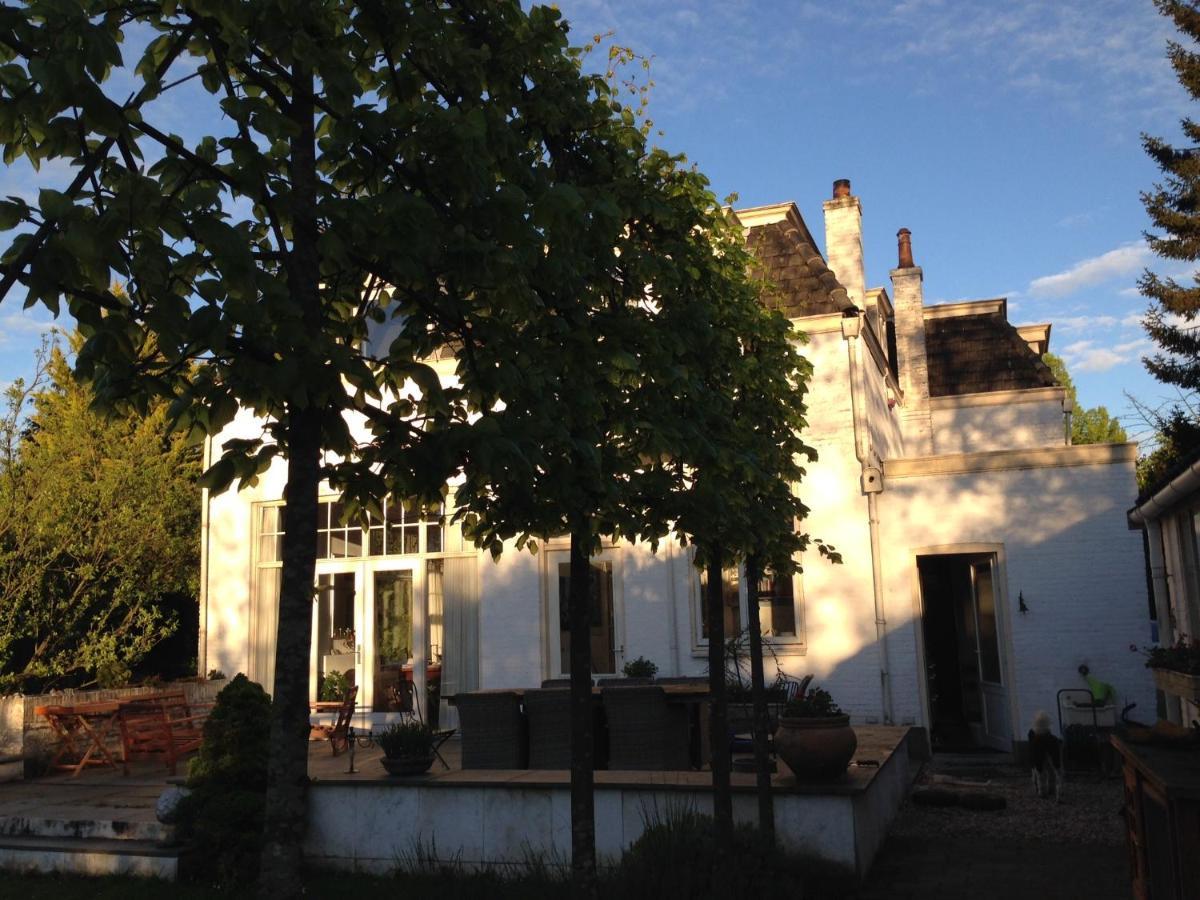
x=84 y=731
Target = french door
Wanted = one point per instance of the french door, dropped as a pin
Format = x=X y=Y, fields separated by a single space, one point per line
x=368 y=624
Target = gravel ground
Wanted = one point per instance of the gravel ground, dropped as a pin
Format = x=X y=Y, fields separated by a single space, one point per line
x=1087 y=815
x=1074 y=850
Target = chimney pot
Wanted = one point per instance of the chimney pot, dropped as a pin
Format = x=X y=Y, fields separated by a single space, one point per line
x=841 y=188
x=904 y=246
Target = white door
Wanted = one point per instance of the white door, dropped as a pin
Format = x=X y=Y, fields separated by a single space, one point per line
x=608 y=648
x=997 y=726
x=365 y=622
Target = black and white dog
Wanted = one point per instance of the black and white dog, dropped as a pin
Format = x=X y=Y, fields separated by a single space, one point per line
x=1045 y=758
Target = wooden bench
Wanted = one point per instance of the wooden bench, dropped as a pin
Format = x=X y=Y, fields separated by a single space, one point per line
x=163 y=727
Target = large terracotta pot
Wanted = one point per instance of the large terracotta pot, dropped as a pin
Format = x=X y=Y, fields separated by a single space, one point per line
x=407 y=765
x=815 y=749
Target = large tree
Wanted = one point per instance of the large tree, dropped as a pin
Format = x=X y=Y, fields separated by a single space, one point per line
x=1092 y=425
x=99 y=533
x=1174 y=209
x=432 y=167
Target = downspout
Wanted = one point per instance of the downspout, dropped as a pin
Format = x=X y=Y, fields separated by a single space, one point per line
x=672 y=596
x=872 y=484
x=202 y=648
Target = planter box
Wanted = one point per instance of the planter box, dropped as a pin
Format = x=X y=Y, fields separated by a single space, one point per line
x=1180 y=684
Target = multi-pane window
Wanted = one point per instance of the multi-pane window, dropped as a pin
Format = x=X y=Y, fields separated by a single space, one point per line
x=776 y=605
x=779 y=611
x=402 y=530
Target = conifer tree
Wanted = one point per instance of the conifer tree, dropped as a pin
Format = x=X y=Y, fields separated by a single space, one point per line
x=1174 y=208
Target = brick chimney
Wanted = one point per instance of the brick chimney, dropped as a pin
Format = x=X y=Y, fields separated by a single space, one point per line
x=908 y=301
x=843 y=240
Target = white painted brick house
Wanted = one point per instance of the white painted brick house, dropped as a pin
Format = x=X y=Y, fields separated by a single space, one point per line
x=945 y=479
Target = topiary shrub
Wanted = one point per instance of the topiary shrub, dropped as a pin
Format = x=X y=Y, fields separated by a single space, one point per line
x=677 y=857
x=222 y=818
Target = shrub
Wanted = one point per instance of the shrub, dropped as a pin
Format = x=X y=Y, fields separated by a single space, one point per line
x=815 y=704
x=222 y=819
x=406 y=739
x=640 y=668
x=677 y=857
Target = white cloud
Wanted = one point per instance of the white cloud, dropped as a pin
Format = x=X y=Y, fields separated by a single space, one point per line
x=1079 y=323
x=1118 y=263
x=1085 y=356
x=22 y=324
x=1101 y=359
x=1076 y=220
x=1135 y=346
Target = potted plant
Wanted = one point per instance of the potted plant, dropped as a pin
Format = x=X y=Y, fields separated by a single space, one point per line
x=640 y=668
x=407 y=748
x=1177 y=668
x=814 y=736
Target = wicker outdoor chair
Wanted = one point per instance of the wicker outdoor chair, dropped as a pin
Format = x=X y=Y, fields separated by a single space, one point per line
x=548 y=713
x=556 y=683
x=493 y=730
x=644 y=730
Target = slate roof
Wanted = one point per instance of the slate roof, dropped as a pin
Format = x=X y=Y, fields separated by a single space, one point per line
x=975 y=354
x=805 y=286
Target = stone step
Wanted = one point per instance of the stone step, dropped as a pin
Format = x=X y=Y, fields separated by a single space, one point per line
x=136 y=826
x=90 y=856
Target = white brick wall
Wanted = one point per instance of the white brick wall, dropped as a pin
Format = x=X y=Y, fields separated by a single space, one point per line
x=1067 y=550
x=965 y=428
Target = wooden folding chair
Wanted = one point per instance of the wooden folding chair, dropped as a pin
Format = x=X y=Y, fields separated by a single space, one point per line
x=338 y=734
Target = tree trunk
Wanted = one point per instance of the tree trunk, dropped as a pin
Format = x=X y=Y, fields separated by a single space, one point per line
x=718 y=737
x=286 y=814
x=583 y=811
x=758 y=691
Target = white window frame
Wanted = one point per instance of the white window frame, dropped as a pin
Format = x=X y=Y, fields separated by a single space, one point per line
x=786 y=645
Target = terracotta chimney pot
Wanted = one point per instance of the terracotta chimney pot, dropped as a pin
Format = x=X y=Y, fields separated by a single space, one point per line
x=904 y=246
x=841 y=188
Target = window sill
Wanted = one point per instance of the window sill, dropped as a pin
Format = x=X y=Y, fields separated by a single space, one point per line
x=780 y=648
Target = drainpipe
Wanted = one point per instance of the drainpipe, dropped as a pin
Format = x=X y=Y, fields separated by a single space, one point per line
x=871 y=484
x=674 y=616
x=202 y=642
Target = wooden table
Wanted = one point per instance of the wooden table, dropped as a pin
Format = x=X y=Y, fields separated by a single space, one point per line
x=84 y=731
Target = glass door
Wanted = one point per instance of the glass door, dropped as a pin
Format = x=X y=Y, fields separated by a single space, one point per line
x=996 y=724
x=337 y=635
x=393 y=635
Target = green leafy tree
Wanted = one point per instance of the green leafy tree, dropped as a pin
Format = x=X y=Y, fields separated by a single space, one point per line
x=99 y=533
x=418 y=165
x=1088 y=426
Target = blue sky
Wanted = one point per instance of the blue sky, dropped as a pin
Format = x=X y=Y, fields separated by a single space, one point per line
x=1005 y=136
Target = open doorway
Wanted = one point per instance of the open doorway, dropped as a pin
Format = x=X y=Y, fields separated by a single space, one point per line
x=964 y=673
